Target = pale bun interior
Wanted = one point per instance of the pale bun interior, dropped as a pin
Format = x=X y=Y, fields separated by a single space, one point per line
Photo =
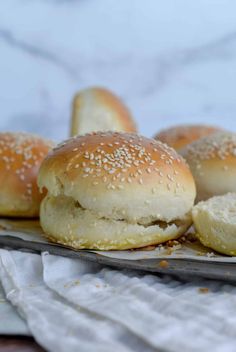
x=215 y=222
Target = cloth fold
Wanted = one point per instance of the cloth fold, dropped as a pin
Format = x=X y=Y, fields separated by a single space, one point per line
x=10 y=321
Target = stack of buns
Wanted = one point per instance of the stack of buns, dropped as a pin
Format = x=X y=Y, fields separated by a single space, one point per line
x=107 y=187
x=212 y=160
x=211 y=155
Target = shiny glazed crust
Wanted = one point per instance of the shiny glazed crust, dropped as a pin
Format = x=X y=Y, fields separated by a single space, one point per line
x=212 y=161
x=21 y=155
x=180 y=136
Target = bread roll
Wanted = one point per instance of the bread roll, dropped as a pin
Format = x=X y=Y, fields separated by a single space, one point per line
x=179 y=136
x=115 y=191
x=212 y=161
x=20 y=157
x=98 y=109
x=215 y=222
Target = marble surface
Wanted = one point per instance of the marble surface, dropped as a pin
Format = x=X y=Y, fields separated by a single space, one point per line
x=171 y=61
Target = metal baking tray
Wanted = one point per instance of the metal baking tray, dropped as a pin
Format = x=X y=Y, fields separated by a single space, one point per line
x=190 y=262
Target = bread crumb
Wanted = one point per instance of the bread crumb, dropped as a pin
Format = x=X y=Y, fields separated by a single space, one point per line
x=210 y=254
x=147 y=248
x=71 y=284
x=200 y=254
x=163 y=264
x=169 y=251
x=203 y=290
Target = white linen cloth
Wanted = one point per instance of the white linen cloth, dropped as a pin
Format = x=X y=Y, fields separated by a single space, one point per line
x=72 y=305
x=10 y=321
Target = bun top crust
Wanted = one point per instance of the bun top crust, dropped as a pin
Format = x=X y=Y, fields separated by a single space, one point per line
x=212 y=161
x=179 y=136
x=120 y=176
x=20 y=157
x=98 y=109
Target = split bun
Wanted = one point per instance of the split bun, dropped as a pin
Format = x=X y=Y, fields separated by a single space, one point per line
x=111 y=190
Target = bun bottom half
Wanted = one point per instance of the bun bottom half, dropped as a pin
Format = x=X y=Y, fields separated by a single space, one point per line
x=65 y=222
x=215 y=222
x=18 y=207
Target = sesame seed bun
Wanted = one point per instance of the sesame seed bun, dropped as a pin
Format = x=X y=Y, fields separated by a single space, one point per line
x=212 y=161
x=179 y=136
x=20 y=157
x=215 y=222
x=98 y=109
x=111 y=190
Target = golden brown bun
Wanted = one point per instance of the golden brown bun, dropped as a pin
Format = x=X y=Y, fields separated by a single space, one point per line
x=212 y=161
x=20 y=157
x=215 y=222
x=132 y=190
x=179 y=136
x=98 y=109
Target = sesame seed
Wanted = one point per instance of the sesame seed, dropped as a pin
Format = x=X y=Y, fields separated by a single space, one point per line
x=218 y=145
